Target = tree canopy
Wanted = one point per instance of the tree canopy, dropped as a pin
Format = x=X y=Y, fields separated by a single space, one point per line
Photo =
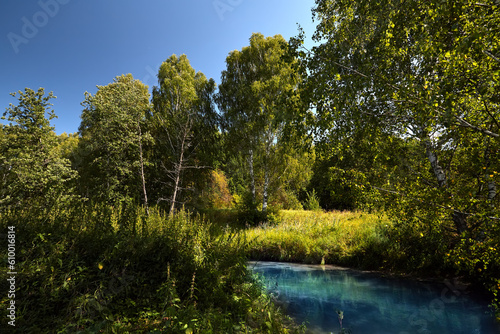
x=252 y=98
x=33 y=174
x=111 y=140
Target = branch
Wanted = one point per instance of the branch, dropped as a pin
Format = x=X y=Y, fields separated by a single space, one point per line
x=491 y=55
x=466 y=124
x=196 y=167
x=460 y=120
x=489 y=113
x=430 y=203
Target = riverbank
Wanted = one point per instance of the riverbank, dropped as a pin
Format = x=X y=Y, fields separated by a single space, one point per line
x=350 y=239
x=359 y=240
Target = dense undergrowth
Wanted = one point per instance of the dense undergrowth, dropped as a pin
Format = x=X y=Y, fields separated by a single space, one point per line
x=95 y=268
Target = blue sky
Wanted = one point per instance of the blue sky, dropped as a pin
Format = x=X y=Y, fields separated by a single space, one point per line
x=70 y=46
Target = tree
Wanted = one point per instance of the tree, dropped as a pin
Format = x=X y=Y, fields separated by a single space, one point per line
x=252 y=101
x=422 y=71
x=185 y=124
x=112 y=166
x=32 y=172
x=426 y=73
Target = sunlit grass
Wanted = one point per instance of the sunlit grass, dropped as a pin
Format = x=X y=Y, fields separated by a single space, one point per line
x=318 y=237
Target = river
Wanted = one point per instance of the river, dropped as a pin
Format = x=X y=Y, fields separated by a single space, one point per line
x=371 y=303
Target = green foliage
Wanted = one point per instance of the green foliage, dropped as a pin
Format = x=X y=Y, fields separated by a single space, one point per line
x=312 y=202
x=340 y=189
x=248 y=210
x=33 y=173
x=108 y=156
x=252 y=97
x=95 y=267
x=184 y=125
x=286 y=199
x=424 y=75
x=477 y=256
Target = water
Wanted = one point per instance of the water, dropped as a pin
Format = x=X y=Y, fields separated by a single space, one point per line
x=373 y=304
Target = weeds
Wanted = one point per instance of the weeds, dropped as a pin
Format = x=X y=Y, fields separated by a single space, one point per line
x=93 y=268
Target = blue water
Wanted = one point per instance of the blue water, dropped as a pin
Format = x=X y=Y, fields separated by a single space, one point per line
x=371 y=303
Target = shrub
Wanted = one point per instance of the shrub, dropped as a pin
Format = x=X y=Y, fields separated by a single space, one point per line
x=312 y=202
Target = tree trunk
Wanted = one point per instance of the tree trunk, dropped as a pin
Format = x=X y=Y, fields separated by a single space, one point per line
x=143 y=179
x=492 y=189
x=178 y=170
x=436 y=168
x=252 y=177
x=265 y=191
x=459 y=218
x=460 y=221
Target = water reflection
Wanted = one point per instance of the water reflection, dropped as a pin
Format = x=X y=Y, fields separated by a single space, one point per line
x=373 y=304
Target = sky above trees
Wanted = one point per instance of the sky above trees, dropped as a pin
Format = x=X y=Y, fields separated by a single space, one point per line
x=69 y=47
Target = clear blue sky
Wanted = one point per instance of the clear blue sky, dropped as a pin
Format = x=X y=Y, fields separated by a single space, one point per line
x=70 y=46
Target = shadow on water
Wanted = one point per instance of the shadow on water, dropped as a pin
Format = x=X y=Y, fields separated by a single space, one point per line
x=371 y=303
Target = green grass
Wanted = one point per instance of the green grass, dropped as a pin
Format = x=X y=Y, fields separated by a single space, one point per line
x=345 y=238
x=95 y=268
x=375 y=242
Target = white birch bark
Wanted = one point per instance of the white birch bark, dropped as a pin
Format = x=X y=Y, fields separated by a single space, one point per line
x=143 y=179
x=436 y=168
x=252 y=176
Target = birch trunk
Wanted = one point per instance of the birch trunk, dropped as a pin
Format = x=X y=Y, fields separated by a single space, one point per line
x=265 y=191
x=436 y=168
x=252 y=177
x=492 y=189
x=178 y=169
x=143 y=179
x=459 y=218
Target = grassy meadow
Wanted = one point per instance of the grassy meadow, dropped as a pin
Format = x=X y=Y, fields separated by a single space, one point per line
x=317 y=237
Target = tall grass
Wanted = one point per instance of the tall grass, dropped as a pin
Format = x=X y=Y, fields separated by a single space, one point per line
x=343 y=238
x=96 y=268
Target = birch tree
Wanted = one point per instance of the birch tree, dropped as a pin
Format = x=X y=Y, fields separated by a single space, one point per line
x=185 y=123
x=251 y=99
x=423 y=71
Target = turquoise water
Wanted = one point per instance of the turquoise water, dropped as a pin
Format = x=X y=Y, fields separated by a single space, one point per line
x=373 y=304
